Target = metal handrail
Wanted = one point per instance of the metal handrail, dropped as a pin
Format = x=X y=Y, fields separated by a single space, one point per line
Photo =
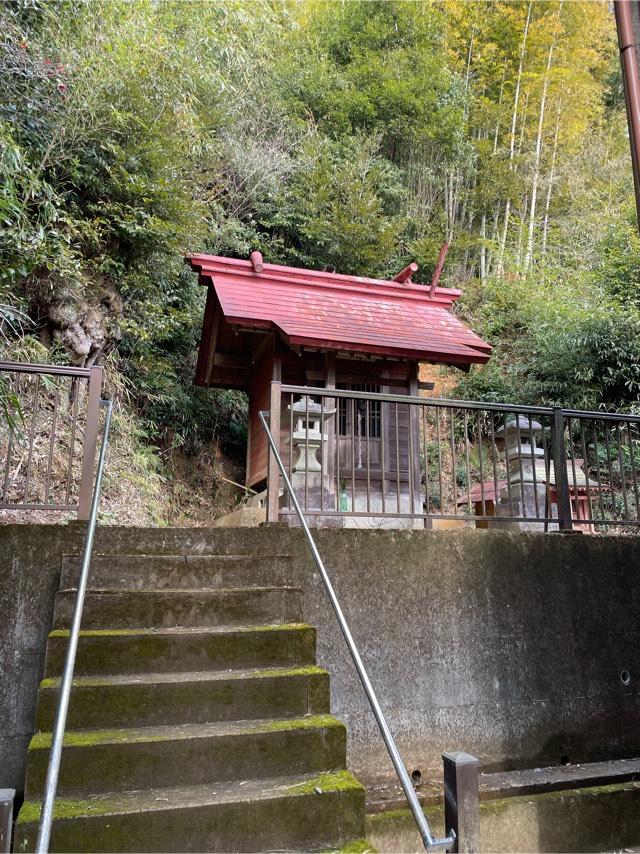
x=55 y=754
x=405 y=781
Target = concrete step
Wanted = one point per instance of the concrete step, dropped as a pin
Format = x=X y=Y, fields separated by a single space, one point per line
x=134 y=609
x=116 y=651
x=158 y=699
x=159 y=572
x=188 y=755
x=307 y=812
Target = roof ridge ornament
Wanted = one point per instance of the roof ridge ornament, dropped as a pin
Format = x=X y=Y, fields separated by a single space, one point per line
x=256 y=261
x=404 y=276
x=438 y=271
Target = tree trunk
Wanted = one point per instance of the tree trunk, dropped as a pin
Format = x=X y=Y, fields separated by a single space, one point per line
x=512 y=141
x=538 y=151
x=483 y=250
x=552 y=175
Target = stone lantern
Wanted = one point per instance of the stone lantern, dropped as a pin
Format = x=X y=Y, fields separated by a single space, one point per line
x=304 y=425
x=524 y=451
x=307 y=434
x=527 y=471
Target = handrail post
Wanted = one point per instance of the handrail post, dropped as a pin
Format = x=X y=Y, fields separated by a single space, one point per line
x=90 y=443
x=461 y=804
x=7 y=797
x=565 y=520
x=273 y=474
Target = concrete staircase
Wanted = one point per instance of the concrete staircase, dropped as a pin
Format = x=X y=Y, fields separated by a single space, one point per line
x=198 y=719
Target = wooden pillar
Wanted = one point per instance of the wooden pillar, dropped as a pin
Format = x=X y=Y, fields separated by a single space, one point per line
x=273 y=472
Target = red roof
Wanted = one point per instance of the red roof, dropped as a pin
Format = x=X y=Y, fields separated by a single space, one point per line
x=344 y=313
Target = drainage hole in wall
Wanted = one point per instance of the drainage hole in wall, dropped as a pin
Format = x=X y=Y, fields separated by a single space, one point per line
x=625 y=677
x=416 y=776
x=564 y=759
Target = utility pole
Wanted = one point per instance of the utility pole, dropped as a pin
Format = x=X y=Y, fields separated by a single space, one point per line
x=627 y=14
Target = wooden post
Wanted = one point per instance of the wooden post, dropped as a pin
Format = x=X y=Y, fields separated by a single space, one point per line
x=90 y=443
x=273 y=472
x=461 y=803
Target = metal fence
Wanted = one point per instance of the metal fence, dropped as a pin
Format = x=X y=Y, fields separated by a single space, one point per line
x=361 y=459
x=48 y=436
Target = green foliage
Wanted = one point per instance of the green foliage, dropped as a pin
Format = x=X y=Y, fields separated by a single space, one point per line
x=355 y=136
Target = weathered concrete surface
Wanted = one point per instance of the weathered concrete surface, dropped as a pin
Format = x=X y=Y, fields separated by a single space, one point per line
x=30 y=559
x=510 y=646
x=605 y=818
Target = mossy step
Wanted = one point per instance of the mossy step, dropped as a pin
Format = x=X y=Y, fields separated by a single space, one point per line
x=103 y=651
x=188 y=755
x=147 y=609
x=294 y=813
x=157 y=572
x=162 y=699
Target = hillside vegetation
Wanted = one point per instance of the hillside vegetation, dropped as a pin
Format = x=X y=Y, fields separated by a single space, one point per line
x=355 y=134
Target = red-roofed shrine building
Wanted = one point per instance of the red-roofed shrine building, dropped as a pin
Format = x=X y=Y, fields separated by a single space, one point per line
x=267 y=323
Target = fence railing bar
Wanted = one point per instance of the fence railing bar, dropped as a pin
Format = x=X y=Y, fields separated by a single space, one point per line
x=600 y=415
x=426 y=459
x=47 y=370
x=7 y=472
x=407 y=398
x=379 y=514
x=494 y=462
x=411 y=461
x=480 y=466
x=74 y=393
x=467 y=460
x=585 y=467
x=533 y=466
x=337 y=452
x=34 y=420
x=597 y=462
x=367 y=421
x=572 y=457
x=454 y=479
x=306 y=456
x=353 y=454
x=439 y=443
x=521 y=469
x=607 y=445
x=633 y=469
x=622 y=477
x=397 y=432
x=322 y=453
x=430 y=843
x=52 y=440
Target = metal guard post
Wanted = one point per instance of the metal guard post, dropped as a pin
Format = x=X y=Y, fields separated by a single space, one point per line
x=53 y=769
x=405 y=781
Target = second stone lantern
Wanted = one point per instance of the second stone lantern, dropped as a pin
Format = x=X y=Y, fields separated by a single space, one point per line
x=528 y=472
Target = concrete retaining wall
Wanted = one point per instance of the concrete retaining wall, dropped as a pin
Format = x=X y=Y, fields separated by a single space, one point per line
x=510 y=646
x=605 y=818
